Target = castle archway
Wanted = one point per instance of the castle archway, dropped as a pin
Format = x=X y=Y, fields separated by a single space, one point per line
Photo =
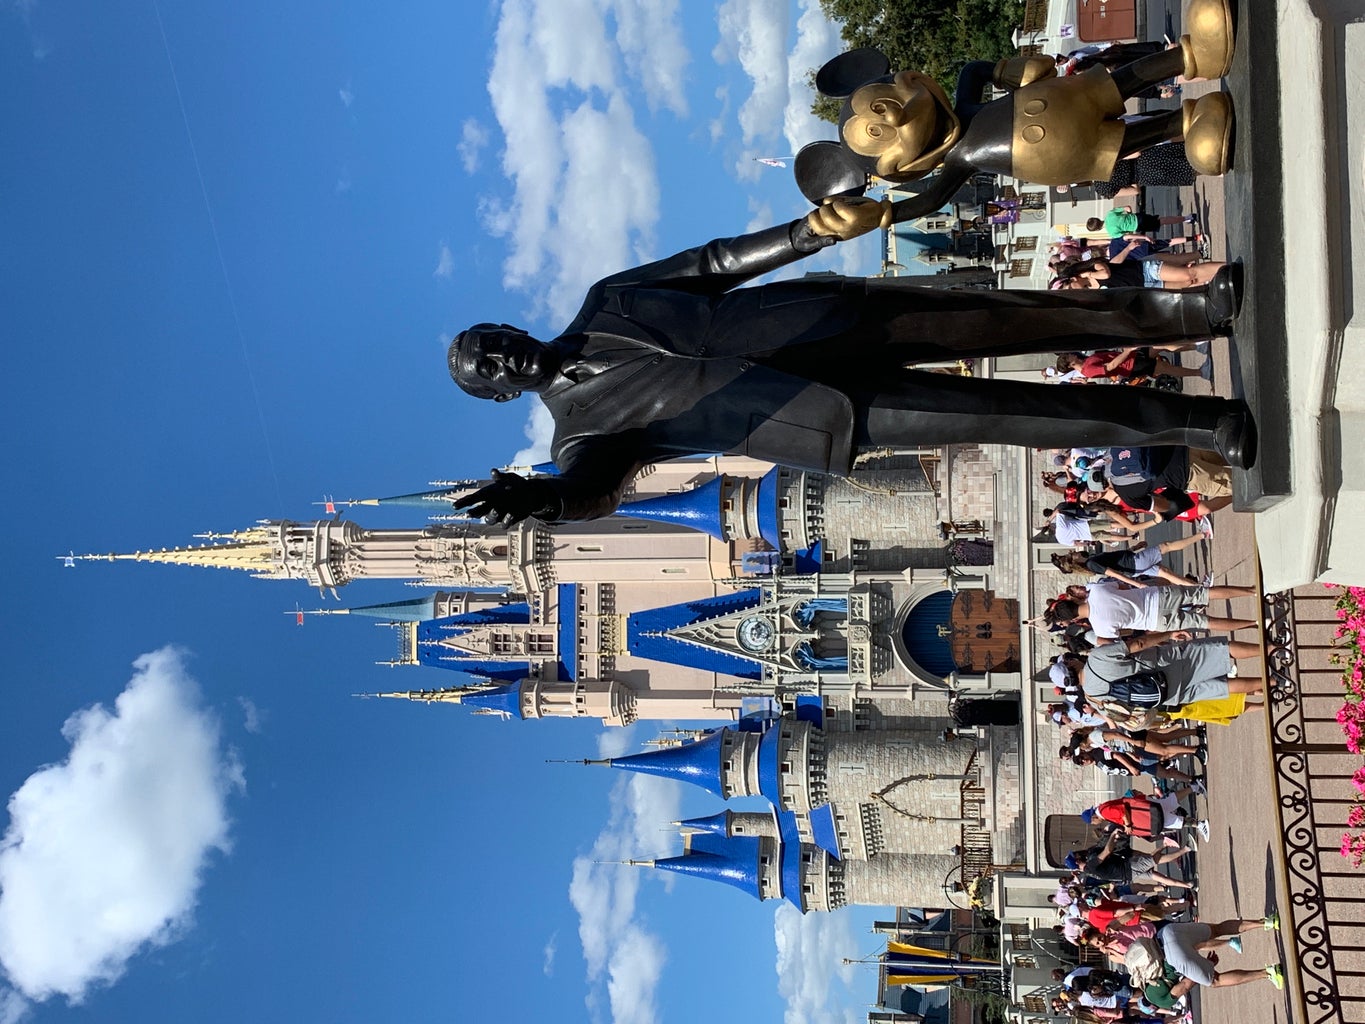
x=938 y=633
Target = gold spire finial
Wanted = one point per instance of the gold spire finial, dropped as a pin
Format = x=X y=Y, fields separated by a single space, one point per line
x=255 y=549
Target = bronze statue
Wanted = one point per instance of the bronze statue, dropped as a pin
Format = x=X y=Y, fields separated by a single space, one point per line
x=1047 y=130
x=674 y=359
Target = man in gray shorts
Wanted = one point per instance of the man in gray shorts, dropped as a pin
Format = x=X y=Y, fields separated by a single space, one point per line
x=1114 y=608
x=1191 y=670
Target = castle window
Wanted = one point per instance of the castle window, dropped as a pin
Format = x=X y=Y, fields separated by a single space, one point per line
x=588 y=548
x=786 y=767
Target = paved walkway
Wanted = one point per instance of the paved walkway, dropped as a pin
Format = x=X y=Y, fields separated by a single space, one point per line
x=1242 y=870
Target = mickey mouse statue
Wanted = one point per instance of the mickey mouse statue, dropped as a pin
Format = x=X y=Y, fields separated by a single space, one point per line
x=1046 y=130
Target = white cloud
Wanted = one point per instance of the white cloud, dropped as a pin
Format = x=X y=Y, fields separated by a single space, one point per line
x=344 y=182
x=621 y=954
x=775 y=116
x=810 y=974
x=13 y=1006
x=817 y=40
x=754 y=32
x=445 y=263
x=621 y=208
x=473 y=138
x=551 y=949
x=585 y=191
x=650 y=38
x=105 y=851
x=345 y=95
x=716 y=129
x=252 y=716
x=539 y=430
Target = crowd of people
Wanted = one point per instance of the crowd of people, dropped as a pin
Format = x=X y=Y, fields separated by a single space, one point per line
x=1148 y=666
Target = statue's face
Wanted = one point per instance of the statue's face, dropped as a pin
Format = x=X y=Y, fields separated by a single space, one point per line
x=500 y=362
x=894 y=123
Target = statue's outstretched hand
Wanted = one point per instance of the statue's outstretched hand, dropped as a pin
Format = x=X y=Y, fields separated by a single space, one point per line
x=845 y=218
x=509 y=499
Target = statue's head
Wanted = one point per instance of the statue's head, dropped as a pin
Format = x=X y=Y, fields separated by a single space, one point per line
x=901 y=126
x=499 y=361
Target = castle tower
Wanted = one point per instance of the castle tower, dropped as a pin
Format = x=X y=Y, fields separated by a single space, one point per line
x=742 y=850
x=523 y=698
x=655 y=613
x=852 y=795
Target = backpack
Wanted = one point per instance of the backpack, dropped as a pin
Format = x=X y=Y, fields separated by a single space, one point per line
x=1129 y=466
x=1140 y=690
x=1148 y=818
x=1145 y=962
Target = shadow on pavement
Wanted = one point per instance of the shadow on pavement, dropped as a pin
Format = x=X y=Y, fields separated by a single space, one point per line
x=1285 y=922
x=1232 y=875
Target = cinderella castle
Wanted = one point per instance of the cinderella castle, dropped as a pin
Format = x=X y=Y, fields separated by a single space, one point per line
x=842 y=658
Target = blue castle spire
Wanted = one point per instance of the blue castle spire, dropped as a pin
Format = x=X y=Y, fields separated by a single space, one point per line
x=417 y=499
x=699 y=508
x=733 y=861
x=715 y=824
x=698 y=763
x=414 y=610
x=505 y=699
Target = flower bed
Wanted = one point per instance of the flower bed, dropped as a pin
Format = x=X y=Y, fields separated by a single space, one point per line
x=1350 y=636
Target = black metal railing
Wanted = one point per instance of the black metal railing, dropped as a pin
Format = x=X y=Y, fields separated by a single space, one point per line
x=1313 y=782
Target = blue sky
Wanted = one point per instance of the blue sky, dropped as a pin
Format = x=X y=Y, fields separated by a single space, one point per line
x=234 y=239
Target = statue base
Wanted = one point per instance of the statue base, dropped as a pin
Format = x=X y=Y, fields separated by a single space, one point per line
x=1295 y=209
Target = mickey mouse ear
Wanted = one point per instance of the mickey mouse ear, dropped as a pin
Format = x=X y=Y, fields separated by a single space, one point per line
x=825 y=169
x=846 y=72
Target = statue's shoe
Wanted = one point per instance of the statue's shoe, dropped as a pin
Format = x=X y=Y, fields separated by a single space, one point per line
x=1223 y=298
x=1207 y=45
x=1207 y=127
x=1235 y=435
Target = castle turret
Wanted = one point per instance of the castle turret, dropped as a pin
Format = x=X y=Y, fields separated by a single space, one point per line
x=745 y=862
x=523 y=698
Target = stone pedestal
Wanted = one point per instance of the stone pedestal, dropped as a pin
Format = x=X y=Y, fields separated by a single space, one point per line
x=1296 y=211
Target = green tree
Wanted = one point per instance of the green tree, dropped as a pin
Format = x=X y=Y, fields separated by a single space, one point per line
x=936 y=37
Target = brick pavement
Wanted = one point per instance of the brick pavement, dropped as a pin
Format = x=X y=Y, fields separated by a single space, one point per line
x=1237 y=867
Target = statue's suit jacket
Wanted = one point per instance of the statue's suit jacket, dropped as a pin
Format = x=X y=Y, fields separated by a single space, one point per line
x=674 y=359
x=670 y=363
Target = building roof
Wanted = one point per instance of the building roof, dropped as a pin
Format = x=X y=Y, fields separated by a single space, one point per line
x=647 y=634
x=513 y=613
x=716 y=824
x=823 y=830
x=698 y=508
x=505 y=699
x=767 y=500
x=697 y=762
x=566 y=634
x=413 y=610
x=732 y=860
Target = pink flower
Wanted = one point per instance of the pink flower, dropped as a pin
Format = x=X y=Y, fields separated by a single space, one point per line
x=1357 y=817
x=1353 y=848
